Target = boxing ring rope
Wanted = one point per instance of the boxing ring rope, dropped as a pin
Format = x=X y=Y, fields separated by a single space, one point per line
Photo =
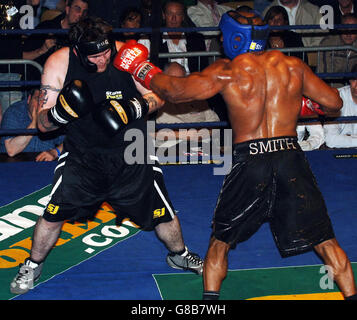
x=198 y=125
x=219 y=124
x=188 y=55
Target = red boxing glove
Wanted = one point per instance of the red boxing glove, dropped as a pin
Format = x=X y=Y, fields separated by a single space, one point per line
x=310 y=108
x=145 y=72
x=130 y=55
x=132 y=58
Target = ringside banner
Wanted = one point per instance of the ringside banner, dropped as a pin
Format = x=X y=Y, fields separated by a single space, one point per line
x=77 y=242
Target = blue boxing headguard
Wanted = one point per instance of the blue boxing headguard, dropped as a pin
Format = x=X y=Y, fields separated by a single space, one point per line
x=241 y=38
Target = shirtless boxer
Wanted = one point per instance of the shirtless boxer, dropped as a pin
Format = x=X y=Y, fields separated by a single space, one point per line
x=270 y=179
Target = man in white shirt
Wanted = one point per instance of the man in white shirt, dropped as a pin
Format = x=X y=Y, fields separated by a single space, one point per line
x=177 y=41
x=344 y=135
x=207 y=13
x=315 y=136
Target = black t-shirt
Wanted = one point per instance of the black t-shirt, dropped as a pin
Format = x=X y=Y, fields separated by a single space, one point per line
x=84 y=133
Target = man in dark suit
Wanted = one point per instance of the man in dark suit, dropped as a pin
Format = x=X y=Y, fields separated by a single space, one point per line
x=174 y=15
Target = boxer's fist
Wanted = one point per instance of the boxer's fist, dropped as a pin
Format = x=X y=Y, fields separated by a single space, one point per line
x=310 y=108
x=130 y=55
x=131 y=58
x=145 y=72
x=74 y=100
x=112 y=115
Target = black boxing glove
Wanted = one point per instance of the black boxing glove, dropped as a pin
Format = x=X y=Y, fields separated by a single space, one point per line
x=74 y=100
x=112 y=115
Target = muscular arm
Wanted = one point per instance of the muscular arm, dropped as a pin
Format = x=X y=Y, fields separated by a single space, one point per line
x=51 y=84
x=317 y=90
x=196 y=86
x=43 y=123
x=155 y=102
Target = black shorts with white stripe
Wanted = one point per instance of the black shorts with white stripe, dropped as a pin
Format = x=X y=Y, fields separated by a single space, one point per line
x=83 y=181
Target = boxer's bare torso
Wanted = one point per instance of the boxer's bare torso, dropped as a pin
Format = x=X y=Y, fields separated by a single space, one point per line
x=262 y=91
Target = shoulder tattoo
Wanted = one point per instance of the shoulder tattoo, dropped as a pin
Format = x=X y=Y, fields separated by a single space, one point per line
x=43 y=98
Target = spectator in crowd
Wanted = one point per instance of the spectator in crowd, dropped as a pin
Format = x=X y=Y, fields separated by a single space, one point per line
x=339 y=60
x=343 y=7
x=277 y=16
x=39 y=49
x=310 y=137
x=303 y=12
x=132 y=18
x=208 y=13
x=344 y=135
x=23 y=115
x=174 y=17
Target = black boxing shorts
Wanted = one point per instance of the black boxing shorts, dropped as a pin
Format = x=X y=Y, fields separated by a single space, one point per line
x=271 y=181
x=84 y=180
